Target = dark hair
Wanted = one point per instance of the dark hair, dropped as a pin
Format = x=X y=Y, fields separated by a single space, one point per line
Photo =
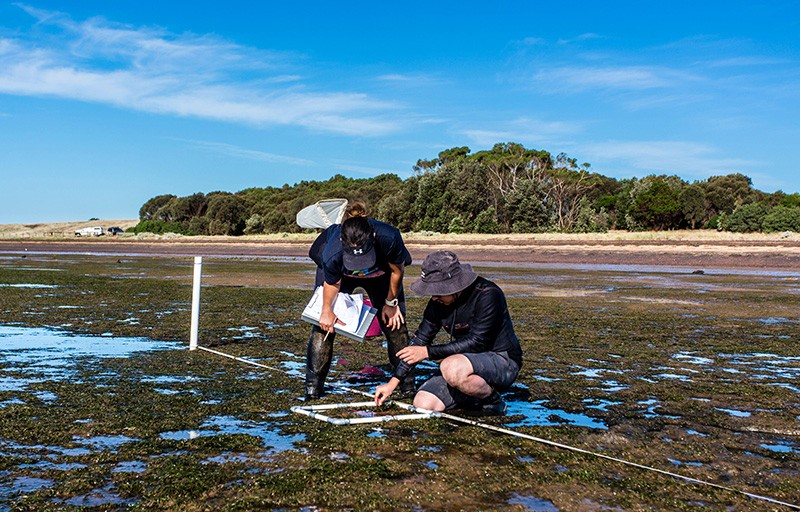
x=355 y=209
x=356 y=231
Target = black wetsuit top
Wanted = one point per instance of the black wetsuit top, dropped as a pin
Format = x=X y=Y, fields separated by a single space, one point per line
x=477 y=322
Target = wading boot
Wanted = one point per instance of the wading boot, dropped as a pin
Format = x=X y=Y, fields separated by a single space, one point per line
x=395 y=341
x=318 y=361
x=492 y=405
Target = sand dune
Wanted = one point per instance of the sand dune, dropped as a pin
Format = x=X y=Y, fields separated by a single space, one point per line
x=58 y=229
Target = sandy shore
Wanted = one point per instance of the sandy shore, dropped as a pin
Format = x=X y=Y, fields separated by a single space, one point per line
x=692 y=249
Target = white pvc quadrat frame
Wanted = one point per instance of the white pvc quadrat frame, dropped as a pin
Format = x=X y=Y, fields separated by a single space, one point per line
x=311 y=411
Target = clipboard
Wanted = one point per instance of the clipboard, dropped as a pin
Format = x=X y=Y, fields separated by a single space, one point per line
x=359 y=314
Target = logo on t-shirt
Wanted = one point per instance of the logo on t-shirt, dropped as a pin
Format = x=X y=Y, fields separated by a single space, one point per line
x=367 y=272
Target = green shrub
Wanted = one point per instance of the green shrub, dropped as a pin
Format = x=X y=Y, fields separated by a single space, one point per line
x=713 y=223
x=198 y=226
x=486 y=222
x=254 y=224
x=159 y=227
x=747 y=218
x=457 y=225
x=589 y=220
x=522 y=226
x=782 y=218
x=791 y=200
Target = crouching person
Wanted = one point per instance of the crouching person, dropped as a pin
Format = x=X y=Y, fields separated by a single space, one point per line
x=483 y=356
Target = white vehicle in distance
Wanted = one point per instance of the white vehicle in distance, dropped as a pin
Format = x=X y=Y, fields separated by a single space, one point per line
x=92 y=231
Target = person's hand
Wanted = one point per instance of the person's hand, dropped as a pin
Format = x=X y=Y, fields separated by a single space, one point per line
x=413 y=354
x=327 y=319
x=393 y=317
x=383 y=391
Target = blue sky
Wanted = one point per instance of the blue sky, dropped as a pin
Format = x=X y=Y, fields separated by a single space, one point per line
x=104 y=105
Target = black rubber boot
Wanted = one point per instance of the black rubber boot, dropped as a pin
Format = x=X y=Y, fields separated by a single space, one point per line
x=492 y=405
x=318 y=361
x=395 y=341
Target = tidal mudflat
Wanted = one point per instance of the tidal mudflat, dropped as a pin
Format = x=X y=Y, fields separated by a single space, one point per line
x=102 y=405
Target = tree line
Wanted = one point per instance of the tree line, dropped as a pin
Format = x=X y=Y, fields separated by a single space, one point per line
x=507 y=189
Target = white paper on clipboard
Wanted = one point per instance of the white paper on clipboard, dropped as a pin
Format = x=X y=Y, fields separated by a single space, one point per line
x=349 y=308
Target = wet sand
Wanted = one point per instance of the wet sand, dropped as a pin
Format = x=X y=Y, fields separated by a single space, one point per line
x=769 y=254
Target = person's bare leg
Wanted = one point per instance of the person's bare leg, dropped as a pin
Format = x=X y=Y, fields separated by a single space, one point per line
x=428 y=401
x=458 y=372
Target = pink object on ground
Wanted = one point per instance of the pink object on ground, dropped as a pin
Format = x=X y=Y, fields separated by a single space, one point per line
x=371 y=370
x=374 y=327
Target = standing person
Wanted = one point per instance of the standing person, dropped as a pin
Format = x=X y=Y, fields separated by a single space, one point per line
x=366 y=253
x=483 y=356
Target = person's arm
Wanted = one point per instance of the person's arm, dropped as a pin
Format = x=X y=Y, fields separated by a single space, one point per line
x=417 y=349
x=383 y=391
x=413 y=354
x=327 y=319
x=392 y=315
x=315 y=252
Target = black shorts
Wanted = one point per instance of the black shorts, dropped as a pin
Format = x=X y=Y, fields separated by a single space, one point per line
x=496 y=368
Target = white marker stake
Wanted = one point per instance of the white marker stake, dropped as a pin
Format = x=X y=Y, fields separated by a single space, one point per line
x=198 y=271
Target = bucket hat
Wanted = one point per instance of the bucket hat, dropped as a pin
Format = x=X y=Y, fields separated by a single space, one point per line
x=443 y=274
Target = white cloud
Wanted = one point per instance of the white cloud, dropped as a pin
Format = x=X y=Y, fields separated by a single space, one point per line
x=658 y=99
x=358 y=168
x=152 y=70
x=744 y=61
x=397 y=77
x=250 y=154
x=578 y=78
x=525 y=131
x=640 y=158
x=577 y=39
x=532 y=41
x=284 y=79
x=410 y=79
x=771 y=183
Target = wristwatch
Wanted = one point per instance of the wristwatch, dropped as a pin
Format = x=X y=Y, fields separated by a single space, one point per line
x=392 y=303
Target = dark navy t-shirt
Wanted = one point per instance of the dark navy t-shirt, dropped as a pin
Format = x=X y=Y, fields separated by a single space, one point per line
x=326 y=252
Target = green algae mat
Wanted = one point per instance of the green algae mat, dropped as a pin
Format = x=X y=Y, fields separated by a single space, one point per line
x=102 y=407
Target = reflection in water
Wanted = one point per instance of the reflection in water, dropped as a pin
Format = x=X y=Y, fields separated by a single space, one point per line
x=38 y=355
x=27 y=285
x=781 y=448
x=22 y=485
x=271 y=436
x=130 y=466
x=98 y=497
x=734 y=412
x=532 y=503
x=677 y=462
x=40 y=351
x=104 y=442
x=536 y=414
